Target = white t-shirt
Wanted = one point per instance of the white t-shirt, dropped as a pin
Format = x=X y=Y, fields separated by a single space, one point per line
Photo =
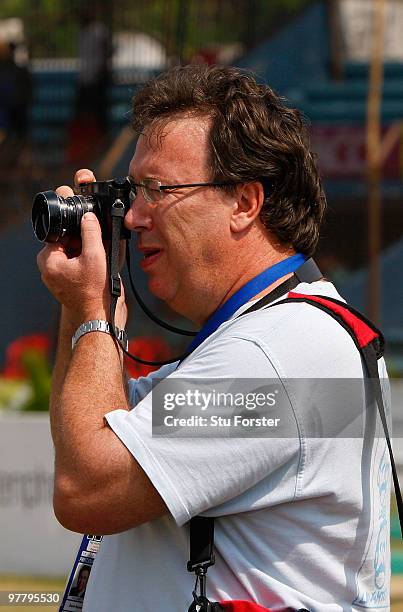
x=301 y=521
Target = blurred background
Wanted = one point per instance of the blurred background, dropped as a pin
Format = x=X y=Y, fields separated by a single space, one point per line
x=68 y=71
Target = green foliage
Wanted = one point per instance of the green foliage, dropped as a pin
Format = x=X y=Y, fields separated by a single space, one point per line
x=10 y=392
x=39 y=376
x=12 y=8
x=51 y=26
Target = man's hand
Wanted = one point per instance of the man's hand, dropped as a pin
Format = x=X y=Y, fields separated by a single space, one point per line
x=95 y=474
x=78 y=277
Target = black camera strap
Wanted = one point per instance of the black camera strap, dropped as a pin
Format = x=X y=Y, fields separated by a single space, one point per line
x=201 y=529
x=370 y=343
x=117 y=214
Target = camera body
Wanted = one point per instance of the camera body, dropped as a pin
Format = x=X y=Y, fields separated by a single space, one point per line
x=55 y=218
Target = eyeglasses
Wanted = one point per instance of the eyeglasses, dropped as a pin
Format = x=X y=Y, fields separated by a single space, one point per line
x=153 y=190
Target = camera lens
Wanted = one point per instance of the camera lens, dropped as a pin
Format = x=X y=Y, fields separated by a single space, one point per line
x=42 y=223
x=46 y=217
x=54 y=216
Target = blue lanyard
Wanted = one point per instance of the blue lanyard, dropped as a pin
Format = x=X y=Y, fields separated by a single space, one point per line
x=244 y=294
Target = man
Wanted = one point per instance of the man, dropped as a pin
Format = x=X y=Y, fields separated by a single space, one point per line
x=16 y=94
x=79 y=589
x=298 y=518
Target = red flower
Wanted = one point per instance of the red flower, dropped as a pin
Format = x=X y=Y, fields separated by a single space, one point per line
x=148 y=348
x=14 y=367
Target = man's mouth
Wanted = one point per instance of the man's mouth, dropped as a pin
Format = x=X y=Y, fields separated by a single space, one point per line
x=150 y=254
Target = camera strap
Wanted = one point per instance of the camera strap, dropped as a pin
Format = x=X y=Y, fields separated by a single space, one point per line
x=201 y=531
x=244 y=294
x=117 y=215
x=247 y=292
x=370 y=343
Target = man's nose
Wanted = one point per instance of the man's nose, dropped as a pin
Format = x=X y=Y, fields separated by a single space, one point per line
x=139 y=216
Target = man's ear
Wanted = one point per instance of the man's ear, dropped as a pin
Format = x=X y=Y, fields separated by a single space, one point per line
x=249 y=202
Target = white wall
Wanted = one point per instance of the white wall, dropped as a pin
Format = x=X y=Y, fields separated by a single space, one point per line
x=32 y=541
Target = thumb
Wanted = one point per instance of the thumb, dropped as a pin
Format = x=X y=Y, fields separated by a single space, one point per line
x=91 y=234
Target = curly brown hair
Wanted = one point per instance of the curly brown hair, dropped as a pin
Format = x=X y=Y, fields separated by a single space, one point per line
x=254 y=135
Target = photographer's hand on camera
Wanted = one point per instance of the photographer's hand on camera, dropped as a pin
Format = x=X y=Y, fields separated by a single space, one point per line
x=76 y=273
x=88 y=382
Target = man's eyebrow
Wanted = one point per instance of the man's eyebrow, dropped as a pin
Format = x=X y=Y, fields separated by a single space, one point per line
x=163 y=181
x=132 y=179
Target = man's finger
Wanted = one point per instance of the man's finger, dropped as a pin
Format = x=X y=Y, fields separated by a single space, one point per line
x=91 y=234
x=65 y=191
x=49 y=257
x=83 y=176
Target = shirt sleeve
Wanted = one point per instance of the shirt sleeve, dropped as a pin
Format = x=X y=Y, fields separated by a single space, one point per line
x=140 y=387
x=195 y=475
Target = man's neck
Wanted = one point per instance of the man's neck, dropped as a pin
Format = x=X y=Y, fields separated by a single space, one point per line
x=243 y=277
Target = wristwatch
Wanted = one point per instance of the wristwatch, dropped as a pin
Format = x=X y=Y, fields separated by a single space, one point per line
x=97 y=325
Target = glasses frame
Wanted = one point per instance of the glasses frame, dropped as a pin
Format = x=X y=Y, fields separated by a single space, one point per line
x=160 y=188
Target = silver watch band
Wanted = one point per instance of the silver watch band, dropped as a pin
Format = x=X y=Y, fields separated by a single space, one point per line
x=97 y=325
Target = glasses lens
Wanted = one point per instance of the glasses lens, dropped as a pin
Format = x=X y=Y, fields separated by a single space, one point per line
x=151 y=190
